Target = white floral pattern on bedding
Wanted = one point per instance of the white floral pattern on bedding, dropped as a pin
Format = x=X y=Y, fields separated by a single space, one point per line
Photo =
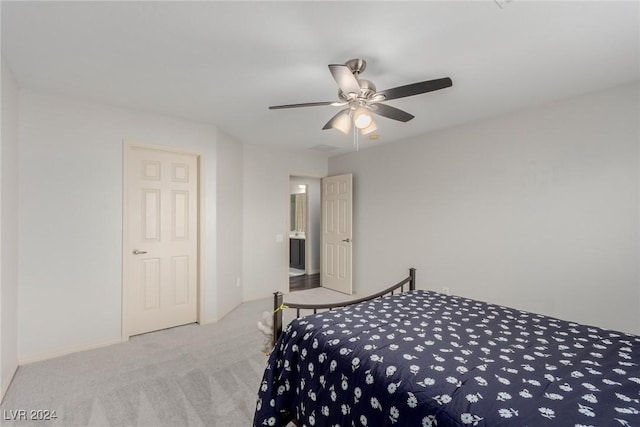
x=426 y=359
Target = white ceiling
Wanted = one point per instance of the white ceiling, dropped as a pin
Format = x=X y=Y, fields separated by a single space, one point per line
x=225 y=62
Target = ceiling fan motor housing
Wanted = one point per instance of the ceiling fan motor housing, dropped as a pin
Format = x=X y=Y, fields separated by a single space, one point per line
x=367 y=89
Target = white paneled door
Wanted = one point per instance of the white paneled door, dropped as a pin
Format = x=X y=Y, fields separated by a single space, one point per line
x=336 y=233
x=161 y=240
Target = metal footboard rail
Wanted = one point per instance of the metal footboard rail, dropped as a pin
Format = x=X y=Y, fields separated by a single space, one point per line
x=279 y=305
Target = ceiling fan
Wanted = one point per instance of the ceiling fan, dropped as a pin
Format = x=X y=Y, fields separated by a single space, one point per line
x=361 y=98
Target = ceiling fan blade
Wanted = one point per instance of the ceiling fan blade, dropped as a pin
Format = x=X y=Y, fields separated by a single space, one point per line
x=391 y=112
x=307 y=104
x=347 y=82
x=341 y=121
x=416 y=88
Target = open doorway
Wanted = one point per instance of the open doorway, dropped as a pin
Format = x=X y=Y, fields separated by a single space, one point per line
x=304 y=233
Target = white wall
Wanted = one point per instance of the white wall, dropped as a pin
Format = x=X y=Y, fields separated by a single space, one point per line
x=229 y=223
x=70 y=231
x=8 y=228
x=266 y=213
x=537 y=210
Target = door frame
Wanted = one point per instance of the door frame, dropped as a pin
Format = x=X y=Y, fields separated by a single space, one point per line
x=127 y=146
x=287 y=253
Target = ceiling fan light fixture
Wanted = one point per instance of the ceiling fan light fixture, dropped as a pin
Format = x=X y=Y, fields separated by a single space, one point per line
x=371 y=128
x=343 y=123
x=361 y=118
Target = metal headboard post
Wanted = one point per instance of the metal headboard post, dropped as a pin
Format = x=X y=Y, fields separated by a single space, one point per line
x=277 y=316
x=412 y=279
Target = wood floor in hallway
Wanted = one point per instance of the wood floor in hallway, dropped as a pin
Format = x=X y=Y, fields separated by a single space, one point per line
x=307 y=281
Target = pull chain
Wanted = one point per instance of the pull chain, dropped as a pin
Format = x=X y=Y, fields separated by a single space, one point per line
x=355 y=138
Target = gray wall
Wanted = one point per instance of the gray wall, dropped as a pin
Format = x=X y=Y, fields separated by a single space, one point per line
x=68 y=245
x=8 y=229
x=266 y=215
x=228 y=223
x=70 y=235
x=537 y=210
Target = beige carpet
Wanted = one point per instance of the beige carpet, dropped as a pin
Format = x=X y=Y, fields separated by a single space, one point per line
x=187 y=376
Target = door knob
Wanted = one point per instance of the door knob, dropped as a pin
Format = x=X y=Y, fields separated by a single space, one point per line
x=347 y=240
x=137 y=252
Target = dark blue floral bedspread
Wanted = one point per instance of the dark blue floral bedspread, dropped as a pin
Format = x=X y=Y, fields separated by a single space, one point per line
x=426 y=359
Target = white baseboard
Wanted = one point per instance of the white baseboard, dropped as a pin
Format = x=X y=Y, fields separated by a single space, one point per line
x=67 y=350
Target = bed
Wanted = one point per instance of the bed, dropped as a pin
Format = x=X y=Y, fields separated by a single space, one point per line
x=420 y=358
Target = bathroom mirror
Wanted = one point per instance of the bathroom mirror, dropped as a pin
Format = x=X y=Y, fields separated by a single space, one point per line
x=298 y=212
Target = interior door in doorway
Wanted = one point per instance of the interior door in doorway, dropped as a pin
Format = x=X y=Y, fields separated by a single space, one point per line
x=161 y=239
x=337 y=204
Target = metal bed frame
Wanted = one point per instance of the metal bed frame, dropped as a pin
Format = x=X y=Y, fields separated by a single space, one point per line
x=279 y=305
